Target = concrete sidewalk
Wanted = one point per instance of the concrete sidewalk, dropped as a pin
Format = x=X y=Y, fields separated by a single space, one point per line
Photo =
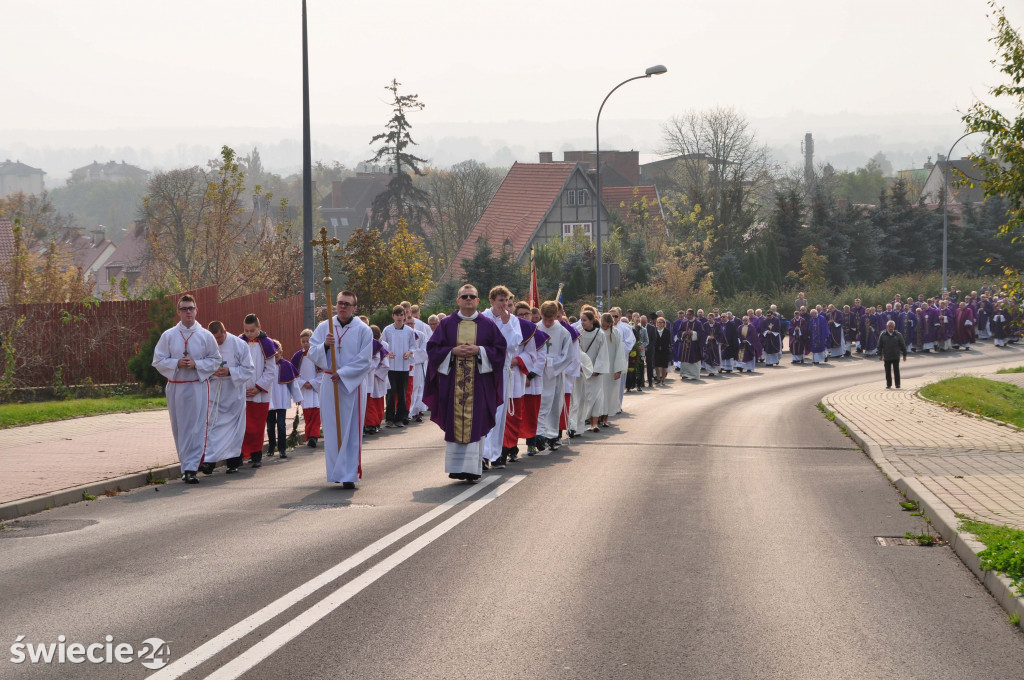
x=951 y=463
x=118 y=449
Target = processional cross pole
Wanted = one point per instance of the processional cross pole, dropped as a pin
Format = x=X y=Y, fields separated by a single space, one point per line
x=326 y=245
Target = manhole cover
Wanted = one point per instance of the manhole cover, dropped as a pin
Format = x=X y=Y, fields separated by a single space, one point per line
x=26 y=528
x=891 y=541
x=325 y=506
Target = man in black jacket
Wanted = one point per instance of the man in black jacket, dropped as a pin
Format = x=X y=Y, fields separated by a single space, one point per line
x=652 y=334
x=890 y=346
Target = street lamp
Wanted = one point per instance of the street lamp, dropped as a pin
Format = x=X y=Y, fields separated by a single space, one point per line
x=945 y=205
x=652 y=71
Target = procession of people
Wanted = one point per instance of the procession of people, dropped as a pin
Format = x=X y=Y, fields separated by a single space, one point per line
x=514 y=378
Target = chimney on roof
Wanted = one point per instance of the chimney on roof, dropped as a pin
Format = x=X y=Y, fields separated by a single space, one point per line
x=929 y=165
x=547 y=157
x=98 y=235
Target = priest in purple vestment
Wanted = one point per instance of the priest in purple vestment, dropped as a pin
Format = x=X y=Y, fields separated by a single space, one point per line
x=963 y=327
x=465 y=376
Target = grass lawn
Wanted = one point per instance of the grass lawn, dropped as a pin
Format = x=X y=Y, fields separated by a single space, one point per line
x=49 y=411
x=1004 y=550
x=1018 y=369
x=990 y=398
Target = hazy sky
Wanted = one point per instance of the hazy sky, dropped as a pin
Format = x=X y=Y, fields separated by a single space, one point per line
x=71 y=65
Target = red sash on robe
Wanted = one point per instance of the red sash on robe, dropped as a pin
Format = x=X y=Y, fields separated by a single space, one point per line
x=311 y=417
x=255 y=426
x=531 y=412
x=514 y=423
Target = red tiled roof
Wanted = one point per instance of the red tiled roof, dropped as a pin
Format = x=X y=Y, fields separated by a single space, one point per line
x=516 y=210
x=614 y=197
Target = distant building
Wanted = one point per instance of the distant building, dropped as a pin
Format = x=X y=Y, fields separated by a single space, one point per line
x=348 y=206
x=126 y=262
x=90 y=252
x=677 y=172
x=111 y=171
x=15 y=176
x=937 y=178
x=536 y=203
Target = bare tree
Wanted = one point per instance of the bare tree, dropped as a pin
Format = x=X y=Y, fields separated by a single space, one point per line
x=458 y=197
x=722 y=167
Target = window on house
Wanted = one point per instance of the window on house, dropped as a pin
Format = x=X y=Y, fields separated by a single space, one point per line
x=571 y=197
x=586 y=228
x=581 y=199
x=344 y=221
x=334 y=222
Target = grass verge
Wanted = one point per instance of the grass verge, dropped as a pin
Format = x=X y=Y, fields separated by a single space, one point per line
x=1004 y=550
x=12 y=415
x=1017 y=369
x=997 y=400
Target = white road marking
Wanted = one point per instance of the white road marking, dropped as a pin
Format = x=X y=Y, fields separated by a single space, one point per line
x=215 y=645
x=289 y=631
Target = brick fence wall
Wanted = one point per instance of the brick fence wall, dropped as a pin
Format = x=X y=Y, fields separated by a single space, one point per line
x=70 y=343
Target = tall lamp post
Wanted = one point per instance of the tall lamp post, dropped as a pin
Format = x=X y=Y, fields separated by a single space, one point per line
x=652 y=71
x=308 y=294
x=945 y=205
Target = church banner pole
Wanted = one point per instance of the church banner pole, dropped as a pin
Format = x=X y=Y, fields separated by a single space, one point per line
x=324 y=243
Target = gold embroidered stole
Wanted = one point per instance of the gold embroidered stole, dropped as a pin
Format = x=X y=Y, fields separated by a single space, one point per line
x=465 y=380
x=743 y=349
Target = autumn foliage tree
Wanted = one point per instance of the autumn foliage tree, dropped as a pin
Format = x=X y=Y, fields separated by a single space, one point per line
x=204 y=229
x=383 y=273
x=43 y=276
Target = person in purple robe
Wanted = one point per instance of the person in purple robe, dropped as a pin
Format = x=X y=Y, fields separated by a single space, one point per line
x=837 y=338
x=465 y=376
x=748 y=346
x=869 y=331
x=677 y=326
x=1001 y=326
x=798 y=337
x=714 y=338
x=857 y=312
x=731 y=345
x=963 y=327
x=771 y=338
x=691 y=344
x=983 y=318
x=818 y=336
x=907 y=325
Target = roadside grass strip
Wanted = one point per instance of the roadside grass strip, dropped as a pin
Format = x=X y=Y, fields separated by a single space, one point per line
x=989 y=398
x=13 y=415
x=1004 y=550
x=1016 y=369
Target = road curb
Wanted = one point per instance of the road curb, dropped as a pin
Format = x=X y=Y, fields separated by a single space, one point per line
x=965 y=545
x=47 y=501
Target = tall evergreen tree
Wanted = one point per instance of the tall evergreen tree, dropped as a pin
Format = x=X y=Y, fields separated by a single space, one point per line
x=401 y=198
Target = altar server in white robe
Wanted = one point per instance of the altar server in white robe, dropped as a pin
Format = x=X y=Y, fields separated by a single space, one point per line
x=227 y=397
x=560 y=357
x=626 y=340
x=187 y=355
x=611 y=392
x=594 y=361
x=309 y=382
x=507 y=323
x=353 y=344
x=418 y=372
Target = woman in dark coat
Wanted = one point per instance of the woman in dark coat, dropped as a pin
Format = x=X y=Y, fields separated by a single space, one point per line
x=662 y=343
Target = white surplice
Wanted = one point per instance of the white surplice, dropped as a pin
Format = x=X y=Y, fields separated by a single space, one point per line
x=227 y=401
x=354 y=347
x=513 y=334
x=188 y=389
x=560 y=356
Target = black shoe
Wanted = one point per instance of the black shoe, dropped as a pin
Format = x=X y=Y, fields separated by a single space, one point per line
x=311 y=443
x=190 y=477
x=486 y=464
x=207 y=468
x=541 y=444
x=348 y=485
x=418 y=419
x=572 y=434
x=499 y=463
x=256 y=464
x=470 y=477
x=283 y=455
x=456 y=475
x=231 y=471
x=513 y=454
x=553 y=443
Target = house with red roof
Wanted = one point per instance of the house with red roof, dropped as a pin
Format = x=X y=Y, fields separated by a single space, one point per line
x=535 y=204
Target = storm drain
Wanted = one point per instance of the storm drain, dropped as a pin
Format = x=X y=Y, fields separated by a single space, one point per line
x=27 y=528
x=892 y=541
x=326 y=506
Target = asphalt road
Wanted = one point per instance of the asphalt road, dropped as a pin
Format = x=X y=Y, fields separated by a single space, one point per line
x=723 y=529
